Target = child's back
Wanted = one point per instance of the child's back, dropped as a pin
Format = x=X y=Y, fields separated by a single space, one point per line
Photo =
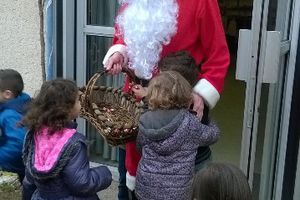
x=55 y=154
x=13 y=104
x=168 y=139
x=58 y=168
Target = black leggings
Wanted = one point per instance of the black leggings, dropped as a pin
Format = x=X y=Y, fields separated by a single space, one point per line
x=205 y=118
x=132 y=195
x=203 y=153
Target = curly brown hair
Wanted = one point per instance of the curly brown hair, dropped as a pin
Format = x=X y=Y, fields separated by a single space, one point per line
x=183 y=63
x=169 y=90
x=52 y=106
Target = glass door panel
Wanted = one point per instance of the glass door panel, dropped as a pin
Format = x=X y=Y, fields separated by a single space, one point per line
x=95 y=20
x=101 y=12
x=96 y=49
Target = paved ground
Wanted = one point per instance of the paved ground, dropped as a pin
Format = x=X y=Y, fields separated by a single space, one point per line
x=110 y=193
x=10 y=192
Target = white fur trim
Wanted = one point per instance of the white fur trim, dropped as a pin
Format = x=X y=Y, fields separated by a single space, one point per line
x=208 y=92
x=130 y=181
x=116 y=48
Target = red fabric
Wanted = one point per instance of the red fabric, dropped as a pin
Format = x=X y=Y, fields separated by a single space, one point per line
x=201 y=33
x=132 y=155
x=132 y=158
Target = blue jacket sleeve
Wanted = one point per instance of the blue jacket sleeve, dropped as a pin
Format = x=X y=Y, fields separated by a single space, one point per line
x=11 y=127
x=83 y=180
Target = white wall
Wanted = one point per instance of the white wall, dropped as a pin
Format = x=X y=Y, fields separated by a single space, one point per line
x=20 y=46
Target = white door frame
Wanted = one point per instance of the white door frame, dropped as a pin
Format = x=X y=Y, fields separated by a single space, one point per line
x=288 y=93
x=253 y=89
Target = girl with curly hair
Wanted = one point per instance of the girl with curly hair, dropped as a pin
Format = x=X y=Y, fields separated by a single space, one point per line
x=168 y=138
x=55 y=154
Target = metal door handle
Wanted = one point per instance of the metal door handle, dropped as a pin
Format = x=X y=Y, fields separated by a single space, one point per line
x=244 y=52
x=273 y=49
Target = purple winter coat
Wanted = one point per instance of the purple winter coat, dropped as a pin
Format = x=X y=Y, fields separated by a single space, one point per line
x=71 y=178
x=168 y=140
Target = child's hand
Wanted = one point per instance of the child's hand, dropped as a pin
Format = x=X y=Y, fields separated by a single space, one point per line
x=139 y=91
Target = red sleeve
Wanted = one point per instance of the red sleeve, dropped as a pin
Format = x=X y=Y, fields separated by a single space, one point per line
x=213 y=43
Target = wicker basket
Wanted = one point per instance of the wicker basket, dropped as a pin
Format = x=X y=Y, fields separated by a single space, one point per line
x=113 y=113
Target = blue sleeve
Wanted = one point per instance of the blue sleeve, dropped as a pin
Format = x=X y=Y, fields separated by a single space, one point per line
x=11 y=127
x=83 y=180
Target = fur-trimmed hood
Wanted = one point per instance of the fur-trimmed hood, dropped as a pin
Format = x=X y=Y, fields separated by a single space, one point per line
x=70 y=147
x=69 y=177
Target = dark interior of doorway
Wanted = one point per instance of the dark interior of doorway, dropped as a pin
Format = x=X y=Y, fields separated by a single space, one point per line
x=228 y=113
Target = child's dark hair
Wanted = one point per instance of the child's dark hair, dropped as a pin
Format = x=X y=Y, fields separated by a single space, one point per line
x=219 y=181
x=52 y=106
x=169 y=90
x=11 y=80
x=183 y=63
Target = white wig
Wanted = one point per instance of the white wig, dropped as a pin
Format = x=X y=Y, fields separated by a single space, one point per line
x=146 y=26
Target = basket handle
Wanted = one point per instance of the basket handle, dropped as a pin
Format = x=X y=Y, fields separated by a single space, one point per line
x=131 y=75
x=91 y=83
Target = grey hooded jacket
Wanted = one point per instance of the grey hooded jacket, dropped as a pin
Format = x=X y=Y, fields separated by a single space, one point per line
x=168 y=141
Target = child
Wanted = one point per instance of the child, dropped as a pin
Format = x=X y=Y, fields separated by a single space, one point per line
x=180 y=62
x=55 y=154
x=221 y=181
x=12 y=108
x=168 y=138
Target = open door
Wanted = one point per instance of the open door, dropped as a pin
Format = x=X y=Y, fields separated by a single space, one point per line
x=262 y=62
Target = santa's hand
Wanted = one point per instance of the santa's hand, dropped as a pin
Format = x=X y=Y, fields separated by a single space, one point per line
x=139 y=91
x=115 y=63
x=198 y=105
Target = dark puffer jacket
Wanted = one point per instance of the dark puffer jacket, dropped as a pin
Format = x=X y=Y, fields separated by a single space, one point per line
x=169 y=140
x=71 y=176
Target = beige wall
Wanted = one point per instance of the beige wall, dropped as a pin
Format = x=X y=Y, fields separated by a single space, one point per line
x=20 y=46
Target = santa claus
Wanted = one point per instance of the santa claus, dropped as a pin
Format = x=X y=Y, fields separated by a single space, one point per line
x=147 y=30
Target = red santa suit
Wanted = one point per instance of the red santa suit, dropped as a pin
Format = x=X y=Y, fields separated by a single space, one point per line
x=200 y=32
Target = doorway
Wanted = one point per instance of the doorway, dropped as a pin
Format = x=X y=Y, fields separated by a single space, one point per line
x=228 y=113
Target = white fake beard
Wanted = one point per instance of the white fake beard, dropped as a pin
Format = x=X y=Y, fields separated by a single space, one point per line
x=146 y=26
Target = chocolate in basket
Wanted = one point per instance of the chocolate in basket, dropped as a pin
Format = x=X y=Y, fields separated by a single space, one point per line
x=113 y=113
